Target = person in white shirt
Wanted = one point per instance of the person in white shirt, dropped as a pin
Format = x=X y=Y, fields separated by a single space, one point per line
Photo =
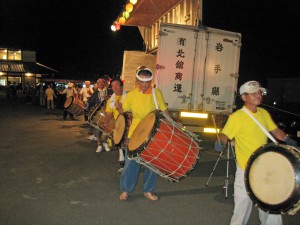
x=70 y=91
x=99 y=95
x=85 y=93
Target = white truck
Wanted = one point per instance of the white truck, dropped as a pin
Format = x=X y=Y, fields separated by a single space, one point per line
x=197 y=72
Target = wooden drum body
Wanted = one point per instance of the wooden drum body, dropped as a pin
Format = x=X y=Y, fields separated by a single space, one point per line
x=74 y=106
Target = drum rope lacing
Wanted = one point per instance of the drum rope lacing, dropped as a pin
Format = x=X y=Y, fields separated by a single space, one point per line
x=181 y=169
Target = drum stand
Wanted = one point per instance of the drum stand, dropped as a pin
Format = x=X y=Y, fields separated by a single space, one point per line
x=230 y=148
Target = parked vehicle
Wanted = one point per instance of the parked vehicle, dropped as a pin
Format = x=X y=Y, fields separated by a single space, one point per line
x=196 y=70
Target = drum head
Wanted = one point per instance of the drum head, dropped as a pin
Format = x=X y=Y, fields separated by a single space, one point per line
x=68 y=102
x=270 y=178
x=142 y=133
x=120 y=128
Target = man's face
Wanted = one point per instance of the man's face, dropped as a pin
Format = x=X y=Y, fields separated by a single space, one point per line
x=253 y=98
x=101 y=83
x=117 y=88
x=144 y=85
x=87 y=84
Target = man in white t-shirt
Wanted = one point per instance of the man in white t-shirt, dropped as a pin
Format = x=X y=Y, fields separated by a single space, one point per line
x=85 y=93
x=70 y=91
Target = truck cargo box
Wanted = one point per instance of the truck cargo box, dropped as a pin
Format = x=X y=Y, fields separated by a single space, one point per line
x=197 y=69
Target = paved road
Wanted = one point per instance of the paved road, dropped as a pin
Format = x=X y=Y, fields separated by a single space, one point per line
x=51 y=175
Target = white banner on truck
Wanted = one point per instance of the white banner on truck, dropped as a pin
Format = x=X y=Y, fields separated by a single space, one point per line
x=198 y=68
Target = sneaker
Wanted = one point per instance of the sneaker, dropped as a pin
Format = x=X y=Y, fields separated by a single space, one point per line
x=92 y=138
x=99 y=149
x=86 y=122
x=107 y=148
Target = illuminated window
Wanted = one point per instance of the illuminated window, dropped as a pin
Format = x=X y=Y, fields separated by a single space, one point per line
x=14 y=55
x=3 y=53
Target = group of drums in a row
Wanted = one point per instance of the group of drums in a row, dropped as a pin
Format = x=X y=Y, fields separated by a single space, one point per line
x=162 y=145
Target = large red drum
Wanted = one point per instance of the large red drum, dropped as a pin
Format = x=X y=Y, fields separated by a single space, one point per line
x=161 y=145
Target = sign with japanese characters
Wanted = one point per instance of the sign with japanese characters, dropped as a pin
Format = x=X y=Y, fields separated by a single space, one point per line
x=177 y=62
x=197 y=69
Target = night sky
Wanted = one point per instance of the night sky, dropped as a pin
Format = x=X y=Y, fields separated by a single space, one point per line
x=74 y=37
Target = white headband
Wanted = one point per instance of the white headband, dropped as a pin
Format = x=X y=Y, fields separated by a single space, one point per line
x=144 y=79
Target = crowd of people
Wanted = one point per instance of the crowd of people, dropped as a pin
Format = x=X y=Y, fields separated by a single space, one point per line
x=107 y=100
x=103 y=103
x=45 y=95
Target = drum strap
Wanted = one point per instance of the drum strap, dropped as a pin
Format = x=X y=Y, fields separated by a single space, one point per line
x=154 y=97
x=261 y=126
x=113 y=99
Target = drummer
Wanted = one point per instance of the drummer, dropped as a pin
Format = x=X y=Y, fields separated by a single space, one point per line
x=140 y=102
x=112 y=113
x=248 y=137
x=70 y=92
x=85 y=93
x=99 y=95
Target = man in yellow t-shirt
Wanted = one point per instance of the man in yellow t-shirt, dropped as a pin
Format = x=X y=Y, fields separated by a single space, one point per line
x=248 y=137
x=50 y=97
x=140 y=101
x=112 y=113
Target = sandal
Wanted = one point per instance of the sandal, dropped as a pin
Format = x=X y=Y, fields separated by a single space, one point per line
x=150 y=196
x=123 y=196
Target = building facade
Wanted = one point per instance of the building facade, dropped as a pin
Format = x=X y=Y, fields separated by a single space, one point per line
x=20 y=66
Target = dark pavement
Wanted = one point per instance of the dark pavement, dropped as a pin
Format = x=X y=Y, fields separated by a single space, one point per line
x=51 y=175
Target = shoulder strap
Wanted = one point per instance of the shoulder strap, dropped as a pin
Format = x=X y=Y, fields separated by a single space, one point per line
x=261 y=127
x=154 y=97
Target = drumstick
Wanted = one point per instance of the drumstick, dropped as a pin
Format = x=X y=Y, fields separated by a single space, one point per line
x=217 y=133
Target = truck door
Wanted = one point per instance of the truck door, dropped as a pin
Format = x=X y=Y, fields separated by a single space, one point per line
x=175 y=65
x=219 y=74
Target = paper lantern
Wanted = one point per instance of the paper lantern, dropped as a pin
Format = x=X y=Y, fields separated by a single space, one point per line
x=129 y=7
x=126 y=14
x=133 y=2
x=122 y=20
x=117 y=26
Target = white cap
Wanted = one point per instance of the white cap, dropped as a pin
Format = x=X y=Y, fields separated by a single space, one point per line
x=251 y=87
